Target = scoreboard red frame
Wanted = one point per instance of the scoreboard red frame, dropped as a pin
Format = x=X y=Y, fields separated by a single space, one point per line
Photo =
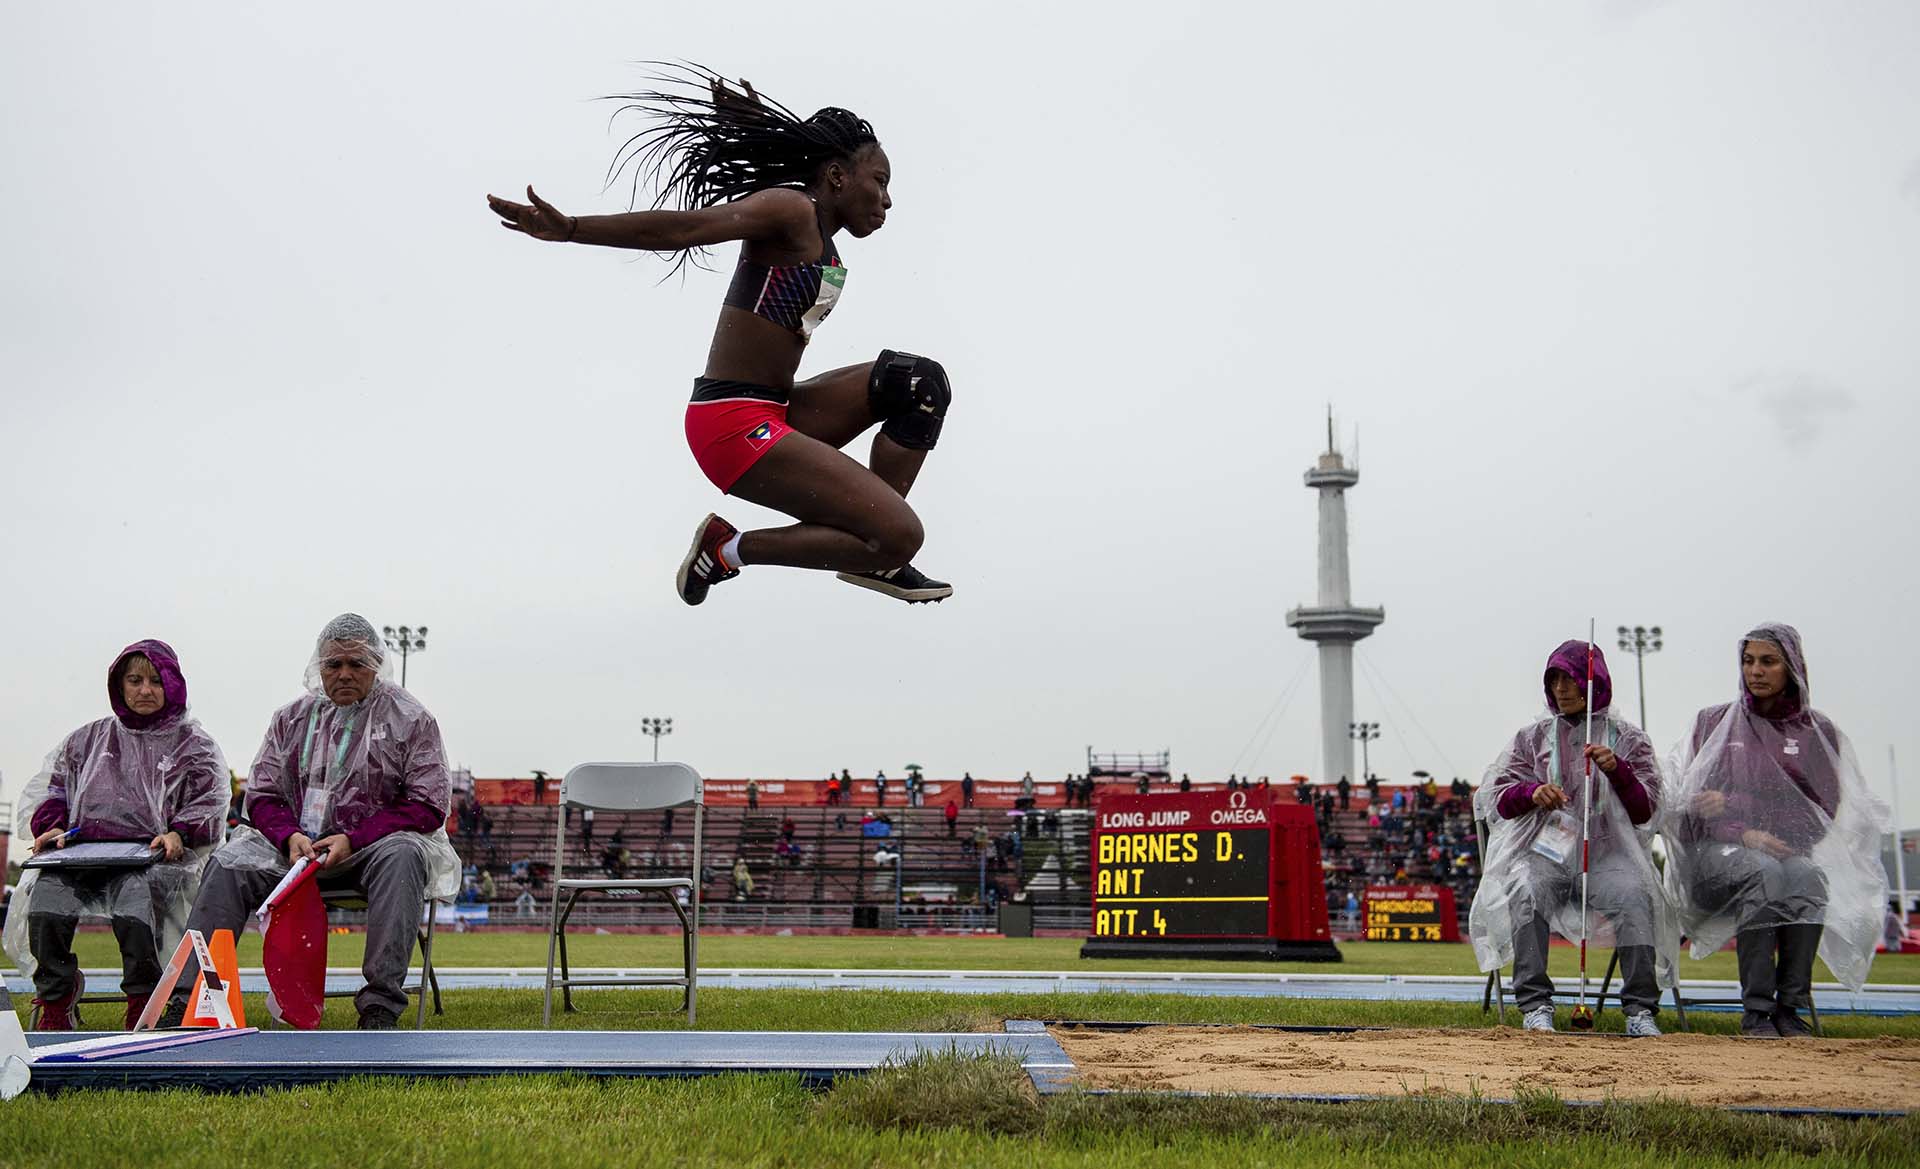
x=1207 y=873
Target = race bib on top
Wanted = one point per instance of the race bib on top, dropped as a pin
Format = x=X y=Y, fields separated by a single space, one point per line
x=832 y=280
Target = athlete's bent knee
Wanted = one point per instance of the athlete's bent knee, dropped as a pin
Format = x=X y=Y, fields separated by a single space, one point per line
x=898 y=540
x=910 y=395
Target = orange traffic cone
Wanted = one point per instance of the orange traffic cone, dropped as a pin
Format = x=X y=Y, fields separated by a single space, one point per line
x=226 y=969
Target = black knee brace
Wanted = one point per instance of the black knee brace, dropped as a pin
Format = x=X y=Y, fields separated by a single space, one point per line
x=909 y=394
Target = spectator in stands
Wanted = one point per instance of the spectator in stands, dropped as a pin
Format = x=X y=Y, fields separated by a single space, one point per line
x=966 y=789
x=539 y=787
x=666 y=822
x=1535 y=797
x=1774 y=837
x=1373 y=790
x=1302 y=794
x=487 y=887
x=1143 y=784
x=787 y=828
x=953 y=818
x=880 y=789
x=1026 y=786
x=980 y=835
x=146 y=774
x=1186 y=785
x=742 y=879
x=1336 y=843
x=753 y=795
x=586 y=826
x=354 y=776
x=1345 y=788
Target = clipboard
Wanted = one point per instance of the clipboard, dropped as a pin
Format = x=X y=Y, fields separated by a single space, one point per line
x=102 y=854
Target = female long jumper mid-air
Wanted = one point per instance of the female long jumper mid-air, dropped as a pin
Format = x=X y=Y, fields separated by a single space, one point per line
x=737 y=166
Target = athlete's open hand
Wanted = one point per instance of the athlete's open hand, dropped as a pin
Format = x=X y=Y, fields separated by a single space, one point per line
x=745 y=99
x=539 y=219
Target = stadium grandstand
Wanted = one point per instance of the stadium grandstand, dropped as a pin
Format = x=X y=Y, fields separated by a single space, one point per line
x=831 y=855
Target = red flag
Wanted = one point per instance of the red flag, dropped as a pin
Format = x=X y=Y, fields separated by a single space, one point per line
x=294 y=950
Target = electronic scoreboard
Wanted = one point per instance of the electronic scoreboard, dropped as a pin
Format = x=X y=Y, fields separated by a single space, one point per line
x=1207 y=873
x=1411 y=913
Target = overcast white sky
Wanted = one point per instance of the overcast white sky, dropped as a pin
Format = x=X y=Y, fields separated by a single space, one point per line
x=1620 y=295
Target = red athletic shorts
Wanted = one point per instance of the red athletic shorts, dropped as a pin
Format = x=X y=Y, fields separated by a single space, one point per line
x=728 y=434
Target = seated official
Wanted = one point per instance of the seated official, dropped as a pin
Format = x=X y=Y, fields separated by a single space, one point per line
x=148 y=774
x=1775 y=839
x=354 y=775
x=1535 y=798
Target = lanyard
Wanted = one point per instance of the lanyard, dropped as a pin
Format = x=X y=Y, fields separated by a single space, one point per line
x=339 y=756
x=1613 y=737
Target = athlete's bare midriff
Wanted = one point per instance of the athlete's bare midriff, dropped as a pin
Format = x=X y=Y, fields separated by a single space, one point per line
x=748 y=348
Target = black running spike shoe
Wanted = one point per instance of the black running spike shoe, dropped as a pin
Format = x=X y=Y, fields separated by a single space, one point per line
x=907 y=583
x=703 y=568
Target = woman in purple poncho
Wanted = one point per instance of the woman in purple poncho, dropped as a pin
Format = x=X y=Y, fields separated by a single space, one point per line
x=1775 y=838
x=148 y=774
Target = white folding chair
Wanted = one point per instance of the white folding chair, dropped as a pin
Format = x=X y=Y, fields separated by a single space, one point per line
x=626 y=787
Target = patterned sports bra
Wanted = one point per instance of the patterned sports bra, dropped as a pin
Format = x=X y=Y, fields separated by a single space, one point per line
x=797 y=297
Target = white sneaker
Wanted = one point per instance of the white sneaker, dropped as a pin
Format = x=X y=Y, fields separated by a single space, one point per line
x=1640 y=1025
x=1538 y=1019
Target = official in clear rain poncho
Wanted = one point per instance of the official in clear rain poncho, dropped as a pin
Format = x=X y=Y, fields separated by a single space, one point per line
x=148 y=774
x=1532 y=799
x=1774 y=838
x=354 y=769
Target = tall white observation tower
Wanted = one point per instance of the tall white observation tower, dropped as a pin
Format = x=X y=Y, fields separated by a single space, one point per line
x=1333 y=622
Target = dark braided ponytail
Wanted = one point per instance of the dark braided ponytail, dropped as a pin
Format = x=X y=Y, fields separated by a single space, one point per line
x=707 y=143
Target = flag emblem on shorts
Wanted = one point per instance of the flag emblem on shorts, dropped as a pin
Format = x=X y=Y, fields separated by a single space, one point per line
x=760 y=436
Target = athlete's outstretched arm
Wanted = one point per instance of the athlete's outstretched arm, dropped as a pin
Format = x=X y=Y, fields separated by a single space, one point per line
x=776 y=216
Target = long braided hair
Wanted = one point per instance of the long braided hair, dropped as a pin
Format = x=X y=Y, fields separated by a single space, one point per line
x=707 y=143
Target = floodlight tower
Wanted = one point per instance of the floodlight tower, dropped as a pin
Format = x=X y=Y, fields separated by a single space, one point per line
x=1334 y=623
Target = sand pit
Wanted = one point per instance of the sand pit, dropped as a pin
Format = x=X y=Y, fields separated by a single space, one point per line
x=1881 y=1074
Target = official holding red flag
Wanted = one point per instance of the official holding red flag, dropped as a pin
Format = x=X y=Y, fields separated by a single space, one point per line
x=353 y=777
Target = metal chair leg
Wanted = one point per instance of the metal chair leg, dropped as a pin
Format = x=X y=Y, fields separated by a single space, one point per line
x=427 y=978
x=1680 y=1007
x=553 y=933
x=566 y=968
x=1600 y=1002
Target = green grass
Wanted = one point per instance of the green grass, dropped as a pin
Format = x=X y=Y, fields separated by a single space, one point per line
x=96 y=949
x=941 y=1111
x=937 y=1112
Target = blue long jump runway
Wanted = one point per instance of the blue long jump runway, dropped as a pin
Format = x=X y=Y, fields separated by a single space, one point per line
x=1888 y=999
x=264 y=1059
